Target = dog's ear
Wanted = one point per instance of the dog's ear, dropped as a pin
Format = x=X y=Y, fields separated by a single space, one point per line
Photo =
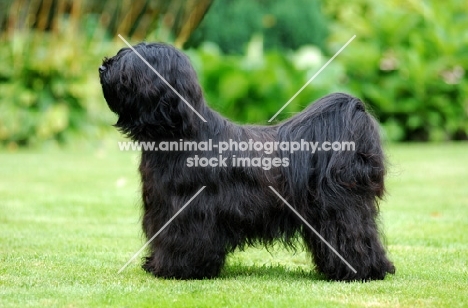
x=148 y=96
x=175 y=92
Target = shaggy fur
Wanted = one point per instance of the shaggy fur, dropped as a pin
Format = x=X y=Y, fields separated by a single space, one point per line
x=336 y=192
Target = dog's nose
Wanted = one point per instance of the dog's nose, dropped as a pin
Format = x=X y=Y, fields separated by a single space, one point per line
x=102 y=69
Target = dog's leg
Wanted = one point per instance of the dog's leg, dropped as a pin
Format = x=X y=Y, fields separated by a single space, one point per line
x=188 y=248
x=353 y=233
x=338 y=191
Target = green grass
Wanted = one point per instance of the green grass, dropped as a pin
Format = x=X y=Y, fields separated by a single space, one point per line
x=69 y=220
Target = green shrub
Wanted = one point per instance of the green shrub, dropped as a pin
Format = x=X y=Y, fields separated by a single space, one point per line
x=49 y=89
x=284 y=24
x=409 y=62
x=253 y=87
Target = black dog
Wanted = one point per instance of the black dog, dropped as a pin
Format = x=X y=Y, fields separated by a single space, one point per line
x=337 y=192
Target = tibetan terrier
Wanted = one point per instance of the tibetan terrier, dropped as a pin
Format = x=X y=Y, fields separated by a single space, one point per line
x=328 y=199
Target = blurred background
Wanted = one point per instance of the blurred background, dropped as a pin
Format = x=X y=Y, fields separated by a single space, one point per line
x=408 y=61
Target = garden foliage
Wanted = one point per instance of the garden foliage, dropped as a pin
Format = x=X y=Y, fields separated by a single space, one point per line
x=284 y=25
x=408 y=63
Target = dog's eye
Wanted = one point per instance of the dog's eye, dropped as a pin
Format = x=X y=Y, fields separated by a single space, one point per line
x=102 y=69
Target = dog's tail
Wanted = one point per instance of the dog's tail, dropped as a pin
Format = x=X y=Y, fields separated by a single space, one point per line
x=340 y=153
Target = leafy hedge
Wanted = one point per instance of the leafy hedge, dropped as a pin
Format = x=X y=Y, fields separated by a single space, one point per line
x=409 y=61
x=49 y=89
x=253 y=87
x=285 y=25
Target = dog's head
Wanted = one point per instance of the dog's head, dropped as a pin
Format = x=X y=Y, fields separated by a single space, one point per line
x=135 y=88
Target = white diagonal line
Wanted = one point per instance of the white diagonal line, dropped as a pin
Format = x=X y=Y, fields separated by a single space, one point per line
x=313 y=77
x=160 y=230
x=162 y=78
x=313 y=230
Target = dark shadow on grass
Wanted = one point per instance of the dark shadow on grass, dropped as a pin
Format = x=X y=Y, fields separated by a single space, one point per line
x=268 y=272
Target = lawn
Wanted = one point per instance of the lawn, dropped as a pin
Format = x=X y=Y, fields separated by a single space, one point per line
x=70 y=219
